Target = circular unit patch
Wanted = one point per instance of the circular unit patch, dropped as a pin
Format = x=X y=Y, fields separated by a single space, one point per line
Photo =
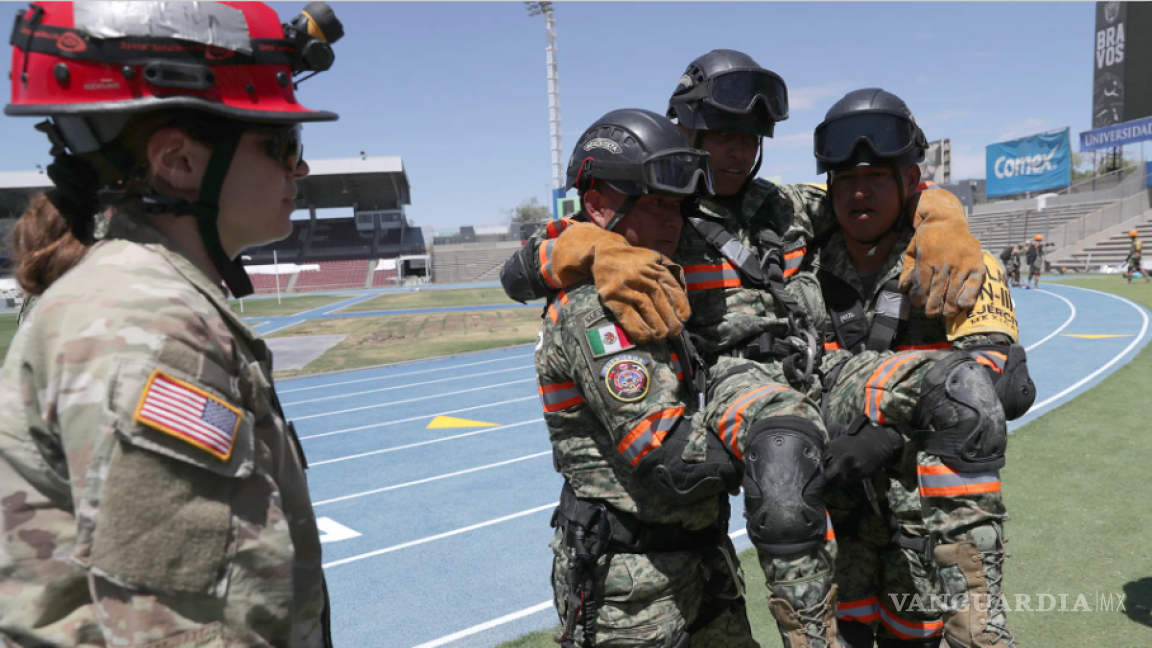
x=626 y=378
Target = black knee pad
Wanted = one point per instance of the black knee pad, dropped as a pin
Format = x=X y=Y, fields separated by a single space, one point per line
x=854 y=634
x=961 y=412
x=784 y=485
x=1014 y=386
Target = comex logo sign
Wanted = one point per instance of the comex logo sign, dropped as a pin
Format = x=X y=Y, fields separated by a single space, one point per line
x=1006 y=167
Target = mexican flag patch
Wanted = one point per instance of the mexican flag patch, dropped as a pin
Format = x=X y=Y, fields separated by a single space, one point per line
x=608 y=339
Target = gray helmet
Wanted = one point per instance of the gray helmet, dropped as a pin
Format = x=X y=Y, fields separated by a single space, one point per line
x=868 y=127
x=638 y=152
x=726 y=90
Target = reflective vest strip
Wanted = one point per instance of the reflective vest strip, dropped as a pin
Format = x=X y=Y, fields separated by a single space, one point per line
x=909 y=629
x=559 y=396
x=874 y=390
x=730 y=424
x=942 y=481
x=863 y=611
x=792 y=261
x=554 y=310
x=648 y=435
x=705 y=277
x=556 y=228
x=546 y=264
x=992 y=359
x=832 y=346
x=829 y=534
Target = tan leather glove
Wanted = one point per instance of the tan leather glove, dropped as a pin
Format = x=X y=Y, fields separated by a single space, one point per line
x=634 y=283
x=943 y=265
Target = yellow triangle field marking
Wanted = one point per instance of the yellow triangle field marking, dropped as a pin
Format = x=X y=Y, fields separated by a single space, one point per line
x=453 y=422
x=1093 y=337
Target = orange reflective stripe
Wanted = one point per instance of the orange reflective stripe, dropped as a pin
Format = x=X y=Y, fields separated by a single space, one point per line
x=935 y=346
x=679 y=369
x=705 y=277
x=556 y=228
x=546 y=264
x=735 y=415
x=942 y=481
x=832 y=346
x=559 y=396
x=875 y=388
x=989 y=363
x=863 y=610
x=909 y=629
x=792 y=261
x=829 y=534
x=553 y=310
x=646 y=436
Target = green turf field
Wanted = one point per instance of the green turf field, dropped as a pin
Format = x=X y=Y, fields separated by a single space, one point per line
x=1077 y=488
x=7 y=330
x=431 y=299
x=387 y=339
x=267 y=306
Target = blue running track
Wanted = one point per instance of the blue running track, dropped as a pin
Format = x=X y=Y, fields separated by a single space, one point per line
x=439 y=537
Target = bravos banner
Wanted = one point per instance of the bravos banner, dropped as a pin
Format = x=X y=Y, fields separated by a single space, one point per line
x=1033 y=163
x=1108 y=79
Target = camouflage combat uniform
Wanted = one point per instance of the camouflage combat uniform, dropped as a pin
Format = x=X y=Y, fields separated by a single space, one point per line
x=887 y=586
x=99 y=230
x=606 y=408
x=152 y=490
x=1036 y=266
x=727 y=314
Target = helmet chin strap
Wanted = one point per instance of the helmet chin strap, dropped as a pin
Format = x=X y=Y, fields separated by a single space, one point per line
x=206 y=210
x=625 y=207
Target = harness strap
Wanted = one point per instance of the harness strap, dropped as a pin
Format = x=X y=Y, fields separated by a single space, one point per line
x=849 y=321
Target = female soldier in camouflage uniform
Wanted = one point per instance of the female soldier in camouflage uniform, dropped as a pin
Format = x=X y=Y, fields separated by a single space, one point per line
x=153 y=492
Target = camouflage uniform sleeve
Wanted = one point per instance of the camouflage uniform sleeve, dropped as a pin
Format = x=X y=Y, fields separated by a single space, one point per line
x=634 y=391
x=127 y=466
x=812 y=216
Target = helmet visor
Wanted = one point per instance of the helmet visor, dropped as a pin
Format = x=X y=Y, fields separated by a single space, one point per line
x=679 y=172
x=739 y=91
x=888 y=135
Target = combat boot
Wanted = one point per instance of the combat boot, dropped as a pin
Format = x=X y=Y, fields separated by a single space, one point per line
x=811 y=627
x=971 y=573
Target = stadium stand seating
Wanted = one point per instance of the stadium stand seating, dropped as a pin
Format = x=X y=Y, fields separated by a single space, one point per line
x=334 y=275
x=997 y=230
x=469 y=263
x=1111 y=251
x=266 y=283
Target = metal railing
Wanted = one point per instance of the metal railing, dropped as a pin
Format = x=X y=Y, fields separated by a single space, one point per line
x=1100 y=220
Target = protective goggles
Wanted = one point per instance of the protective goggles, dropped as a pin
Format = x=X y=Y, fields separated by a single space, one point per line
x=677 y=172
x=888 y=136
x=287 y=147
x=738 y=91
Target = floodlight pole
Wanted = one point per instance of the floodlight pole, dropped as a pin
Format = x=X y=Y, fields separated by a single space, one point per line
x=545 y=8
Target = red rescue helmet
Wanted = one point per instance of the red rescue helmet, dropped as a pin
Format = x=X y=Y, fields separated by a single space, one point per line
x=108 y=61
x=92 y=66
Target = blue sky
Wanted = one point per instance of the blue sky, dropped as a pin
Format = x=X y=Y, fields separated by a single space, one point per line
x=458 y=89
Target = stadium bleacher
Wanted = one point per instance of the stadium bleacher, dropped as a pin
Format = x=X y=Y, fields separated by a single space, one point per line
x=334 y=275
x=995 y=230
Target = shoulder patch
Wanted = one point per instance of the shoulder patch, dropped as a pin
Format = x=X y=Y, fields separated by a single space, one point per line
x=626 y=377
x=593 y=316
x=188 y=413
x=608 y=339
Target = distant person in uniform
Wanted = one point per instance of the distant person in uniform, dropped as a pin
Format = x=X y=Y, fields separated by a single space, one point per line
x=1035 y=256
x=153 y=491
x=1135 y=252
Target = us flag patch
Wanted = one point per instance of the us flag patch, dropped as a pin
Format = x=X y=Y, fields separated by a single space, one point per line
x=189 y=414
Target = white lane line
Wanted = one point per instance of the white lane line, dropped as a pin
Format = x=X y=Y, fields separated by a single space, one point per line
x=400 y=375
x=276 y=330
x=412 y=400
x=430 y=479
x=440 y=536
x=417 y=418
x=423 y=443
x=1062 y=326
x=1114 y=360
x=406 y=386
x=508 y=618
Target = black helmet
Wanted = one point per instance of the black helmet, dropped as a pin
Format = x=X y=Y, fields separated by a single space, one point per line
x=727 y=90
x=868 y=127
x=638 y=152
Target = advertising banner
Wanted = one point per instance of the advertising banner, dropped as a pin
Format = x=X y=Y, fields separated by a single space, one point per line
x=1130 y=132
x=1108 y=64
x=1033 y=163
